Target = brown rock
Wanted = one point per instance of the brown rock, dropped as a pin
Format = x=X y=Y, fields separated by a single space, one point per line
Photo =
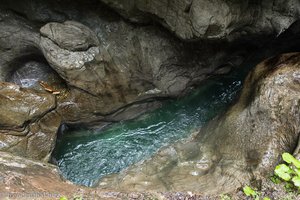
x=26 y=126
x=19 y=106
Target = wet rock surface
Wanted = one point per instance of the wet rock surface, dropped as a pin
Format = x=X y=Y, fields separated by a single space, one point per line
x=243 y=144
x=25 y=129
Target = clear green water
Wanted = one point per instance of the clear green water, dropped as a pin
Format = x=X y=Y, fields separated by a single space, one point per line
x=84 y=156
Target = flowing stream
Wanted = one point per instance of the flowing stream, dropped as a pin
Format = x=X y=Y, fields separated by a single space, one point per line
x=84 y=156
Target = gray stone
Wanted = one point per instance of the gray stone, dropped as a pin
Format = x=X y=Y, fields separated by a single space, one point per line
x=70 y=35
x=207 y=19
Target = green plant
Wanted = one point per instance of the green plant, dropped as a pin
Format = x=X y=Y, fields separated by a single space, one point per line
x=289 y=172
x=75 y=198
x=248 y=191
x=266 y=198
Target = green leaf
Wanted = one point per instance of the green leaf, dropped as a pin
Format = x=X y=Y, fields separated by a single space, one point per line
x=291 y=159
x=297 y=171
x=283 y=171
x=63 y=198
x=287 y=157
x=249 y=191
x=296 y=181
x=266 y=198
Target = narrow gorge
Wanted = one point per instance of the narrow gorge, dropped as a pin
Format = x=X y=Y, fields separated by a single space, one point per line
x=137 y=99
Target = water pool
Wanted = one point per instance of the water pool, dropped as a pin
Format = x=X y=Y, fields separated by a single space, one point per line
x=84 y=156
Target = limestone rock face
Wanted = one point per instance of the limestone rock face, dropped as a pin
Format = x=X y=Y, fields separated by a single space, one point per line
x=18 y=39
x=67 y=57
x=22 y=105
x=207 y=19
x=25 y=127
x=244 y=143
x=23 y=178
x=70 y=35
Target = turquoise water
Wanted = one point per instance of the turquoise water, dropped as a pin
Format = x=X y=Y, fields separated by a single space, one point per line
x=84 y=156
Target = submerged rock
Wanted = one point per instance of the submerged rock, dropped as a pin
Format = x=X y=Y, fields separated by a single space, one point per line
x=243 y=144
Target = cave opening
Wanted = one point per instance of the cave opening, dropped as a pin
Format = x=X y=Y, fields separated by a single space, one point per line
x=31 y=70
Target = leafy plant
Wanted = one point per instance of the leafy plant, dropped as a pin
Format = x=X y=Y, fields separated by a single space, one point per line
x=248 y=191
x=75 y=198
x=289 y=172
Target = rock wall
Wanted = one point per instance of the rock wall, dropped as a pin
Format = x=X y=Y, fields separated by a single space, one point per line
x=206 y=19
